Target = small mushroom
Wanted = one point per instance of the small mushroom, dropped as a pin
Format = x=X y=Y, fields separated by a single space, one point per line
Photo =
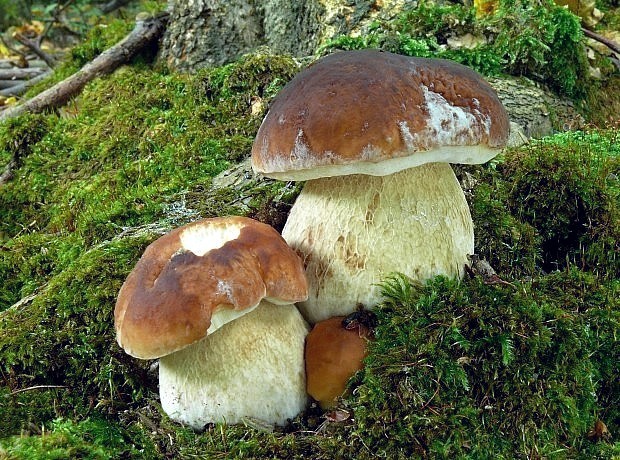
x=335 y=351
x=373 y=134
x=214 y=301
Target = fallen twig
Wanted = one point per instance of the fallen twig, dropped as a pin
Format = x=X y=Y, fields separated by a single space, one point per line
x=35 y=47
x=145 y=32
x=36 y=387
x=14 y=63
x=23 y=86
x=20 y=74
x=5 y=84
x=612 y=45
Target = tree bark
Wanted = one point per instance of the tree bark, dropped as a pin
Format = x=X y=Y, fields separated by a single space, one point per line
x=206 y=33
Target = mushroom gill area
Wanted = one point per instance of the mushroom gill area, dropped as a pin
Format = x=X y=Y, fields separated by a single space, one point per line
x=352 y=231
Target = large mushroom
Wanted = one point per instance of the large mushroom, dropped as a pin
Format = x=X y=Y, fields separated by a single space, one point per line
x=373 y=133
x=214 y=301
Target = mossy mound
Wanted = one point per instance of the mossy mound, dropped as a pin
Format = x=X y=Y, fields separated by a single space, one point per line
x=551 y=204
x=463 y=370
x=456 y=371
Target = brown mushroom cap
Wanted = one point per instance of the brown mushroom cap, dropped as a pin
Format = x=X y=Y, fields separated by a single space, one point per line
x=352 y=110
x=333 y=355
x=186 y=276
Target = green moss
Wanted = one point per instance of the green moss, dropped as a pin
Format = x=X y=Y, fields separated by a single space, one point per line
x=63 y=439
x=64 y=336
x=499 y=369
x=567 y=187
x=550 y=204
x=509 y=244
x=18 y=136
x=139 y=139
x=456 y=370
x=539 y=40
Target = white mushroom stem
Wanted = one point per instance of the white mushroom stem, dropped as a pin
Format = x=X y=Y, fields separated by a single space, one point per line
x=250 y=369
x=352 y=231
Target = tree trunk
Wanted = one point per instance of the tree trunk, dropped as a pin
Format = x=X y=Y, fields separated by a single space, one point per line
x=206 y=33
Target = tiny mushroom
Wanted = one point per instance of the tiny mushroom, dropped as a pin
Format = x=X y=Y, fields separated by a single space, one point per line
x=334 y=352
x=214 y=301
x=373 y=134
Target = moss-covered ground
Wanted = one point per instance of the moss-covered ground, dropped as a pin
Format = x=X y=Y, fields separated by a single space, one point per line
x=522 y=369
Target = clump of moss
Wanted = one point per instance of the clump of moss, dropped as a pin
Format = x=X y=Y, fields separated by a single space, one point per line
x=498 y=369
x=509 y=244
x=550 y=204
x=64 y=337
x=18 y=136
x=456 y=370
x=568 y=188
x=90 y=438
x=539 y=40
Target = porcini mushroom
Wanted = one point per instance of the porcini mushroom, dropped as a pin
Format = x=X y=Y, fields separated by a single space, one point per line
x=334 y=353
x=373 y=133
x=214 y=301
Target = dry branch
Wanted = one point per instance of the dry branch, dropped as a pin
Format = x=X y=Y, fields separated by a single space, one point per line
x=36 y=387
x=23 y=85
x=20 y=74
x=612 y=45
x=35 y=47
x=5 y=84
x=14 y=63
x=145 y=32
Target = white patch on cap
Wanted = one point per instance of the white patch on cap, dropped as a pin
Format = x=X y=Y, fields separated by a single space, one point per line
x=301 y=152
x=225 y=288
x=370 y=153
x=446 y=124
x=200 y=239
